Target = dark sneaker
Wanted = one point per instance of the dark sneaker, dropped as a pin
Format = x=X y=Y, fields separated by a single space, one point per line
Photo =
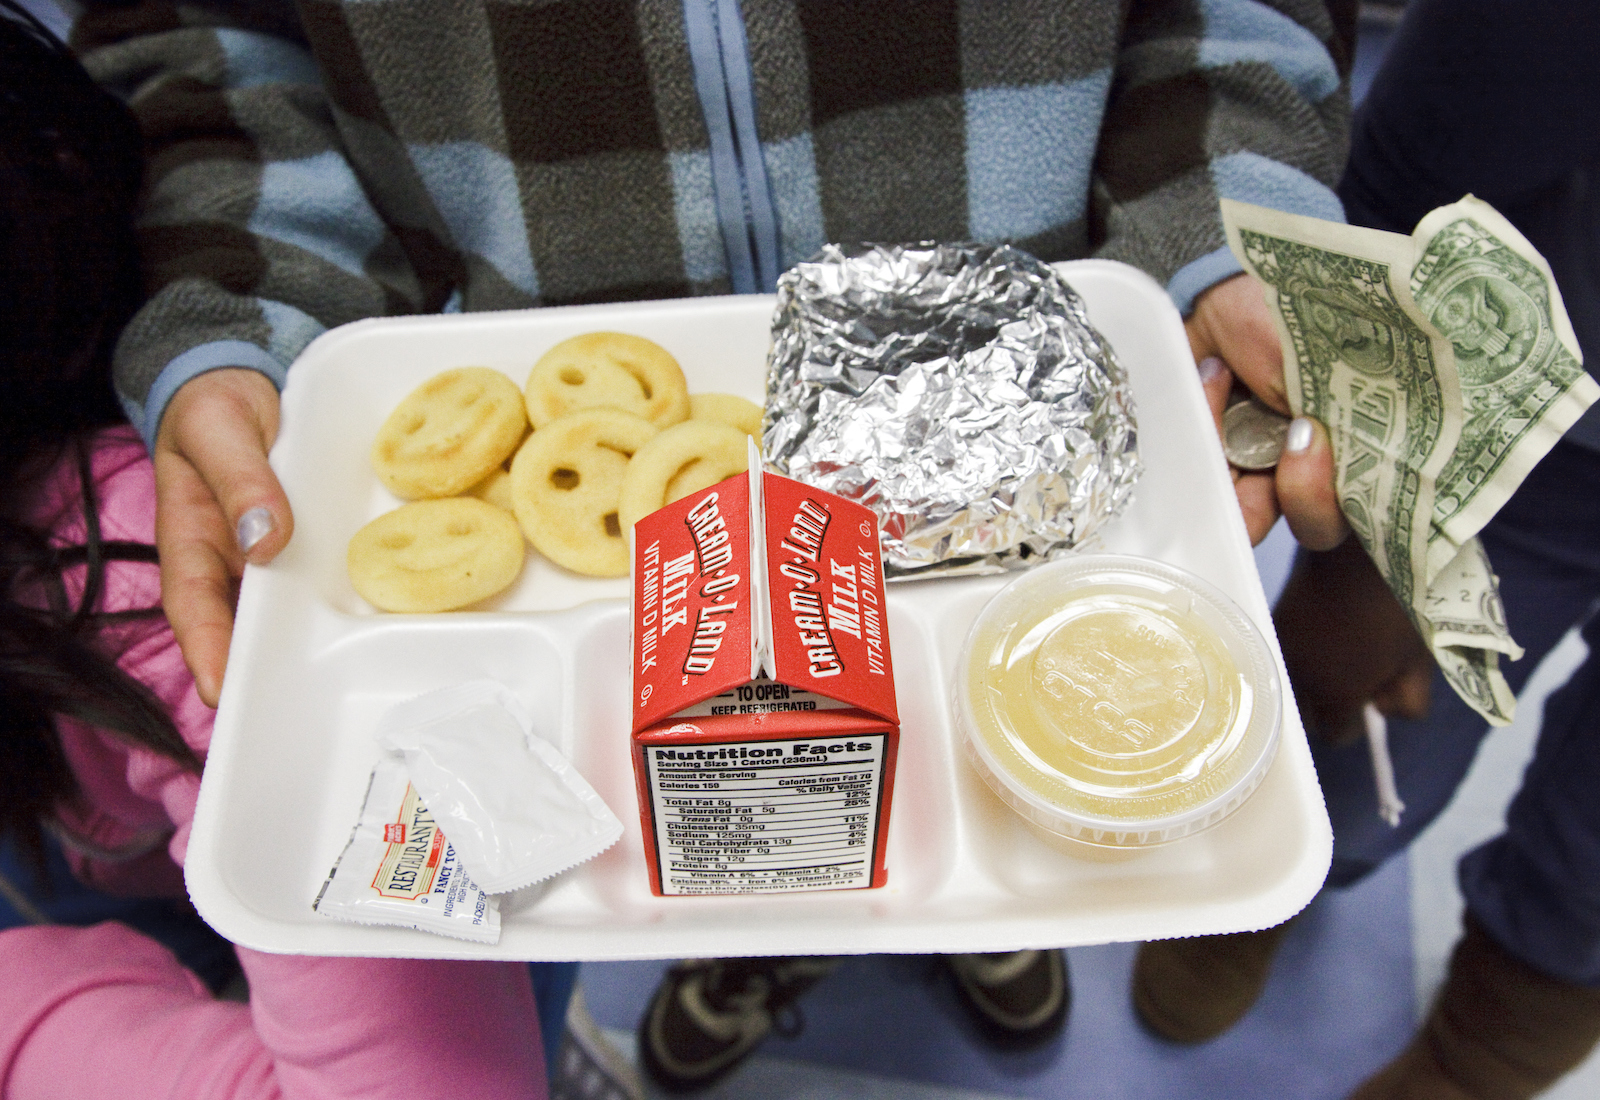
x=1019 y=999
x=709 y=1014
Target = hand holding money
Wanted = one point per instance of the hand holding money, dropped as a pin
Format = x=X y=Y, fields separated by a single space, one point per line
x=1235 y=346
x=1444 y=367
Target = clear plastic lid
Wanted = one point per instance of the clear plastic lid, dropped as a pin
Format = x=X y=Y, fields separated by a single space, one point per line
x=1118 y=701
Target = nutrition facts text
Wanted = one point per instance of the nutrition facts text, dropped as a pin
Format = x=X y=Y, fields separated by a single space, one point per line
x=767 y=816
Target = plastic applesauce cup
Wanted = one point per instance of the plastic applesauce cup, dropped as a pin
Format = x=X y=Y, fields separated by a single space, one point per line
x=1117 y=702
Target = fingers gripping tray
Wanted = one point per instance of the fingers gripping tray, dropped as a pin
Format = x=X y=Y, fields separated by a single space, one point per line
x=313 y=666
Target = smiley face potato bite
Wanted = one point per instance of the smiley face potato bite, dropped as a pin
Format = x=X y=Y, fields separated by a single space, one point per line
x=607 y=370
x=465 y=433
x=449 y=433
x=435 y=555
x=565 y=485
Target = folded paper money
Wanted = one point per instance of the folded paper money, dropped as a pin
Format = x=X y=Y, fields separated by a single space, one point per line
x=1445 y=368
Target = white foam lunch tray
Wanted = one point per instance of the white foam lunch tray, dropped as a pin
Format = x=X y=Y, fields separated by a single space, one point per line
x=312 y=667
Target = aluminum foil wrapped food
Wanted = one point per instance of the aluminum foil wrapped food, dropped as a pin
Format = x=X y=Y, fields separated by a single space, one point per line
x=959 y=391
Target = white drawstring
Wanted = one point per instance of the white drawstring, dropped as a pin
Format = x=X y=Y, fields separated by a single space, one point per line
x=1389 y=805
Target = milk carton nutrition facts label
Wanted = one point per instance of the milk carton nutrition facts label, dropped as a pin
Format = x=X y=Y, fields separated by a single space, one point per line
x=767 y=816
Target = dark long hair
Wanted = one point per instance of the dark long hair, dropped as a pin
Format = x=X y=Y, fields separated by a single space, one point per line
x=70 y=158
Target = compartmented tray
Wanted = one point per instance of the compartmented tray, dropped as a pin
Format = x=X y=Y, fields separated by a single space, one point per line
x=313 y=666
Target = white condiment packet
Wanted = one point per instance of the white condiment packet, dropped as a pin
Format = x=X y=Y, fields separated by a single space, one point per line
x=516 y=810
x=398 y=868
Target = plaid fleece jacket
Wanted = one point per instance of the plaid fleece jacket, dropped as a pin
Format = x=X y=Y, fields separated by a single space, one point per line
x=344 y=159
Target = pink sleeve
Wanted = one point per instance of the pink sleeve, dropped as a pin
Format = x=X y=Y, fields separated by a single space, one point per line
x=147 y=650
x=158 y=662
x=120 y=783
x=103 y=1011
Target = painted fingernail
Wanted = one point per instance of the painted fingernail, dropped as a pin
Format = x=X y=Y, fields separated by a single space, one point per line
x=1210 y=367
x=1300 y=436
x=254 y=525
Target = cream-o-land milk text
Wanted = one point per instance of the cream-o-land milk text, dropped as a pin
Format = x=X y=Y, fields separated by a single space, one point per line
x=765 y=726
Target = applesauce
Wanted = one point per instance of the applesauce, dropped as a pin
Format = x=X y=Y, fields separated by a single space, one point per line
x=1117 y=701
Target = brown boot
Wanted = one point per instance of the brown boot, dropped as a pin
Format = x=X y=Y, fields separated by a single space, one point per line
x=1191 y=990
x=1499 y=1030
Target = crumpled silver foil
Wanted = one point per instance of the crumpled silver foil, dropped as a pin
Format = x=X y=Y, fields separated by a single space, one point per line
x=957 y=390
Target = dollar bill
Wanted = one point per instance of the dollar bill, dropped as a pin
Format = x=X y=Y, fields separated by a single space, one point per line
x=1444 y=367
x=1463 y=606
x=1360 y=358
x=1480 y=282
x=1475 y=675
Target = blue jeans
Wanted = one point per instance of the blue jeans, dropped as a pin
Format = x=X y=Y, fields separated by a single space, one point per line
x=553 y=983
x=1536 y=887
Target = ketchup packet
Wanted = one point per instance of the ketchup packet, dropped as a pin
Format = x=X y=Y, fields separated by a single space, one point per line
x=517 y=811
x=398 y=868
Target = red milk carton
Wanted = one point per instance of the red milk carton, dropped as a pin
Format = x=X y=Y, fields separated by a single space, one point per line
x=764 y=720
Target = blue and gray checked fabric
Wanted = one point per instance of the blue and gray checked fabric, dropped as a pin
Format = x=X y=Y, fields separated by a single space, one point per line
x=342 y=159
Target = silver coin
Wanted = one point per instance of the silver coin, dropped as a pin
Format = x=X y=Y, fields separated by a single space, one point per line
x=1253 y=435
